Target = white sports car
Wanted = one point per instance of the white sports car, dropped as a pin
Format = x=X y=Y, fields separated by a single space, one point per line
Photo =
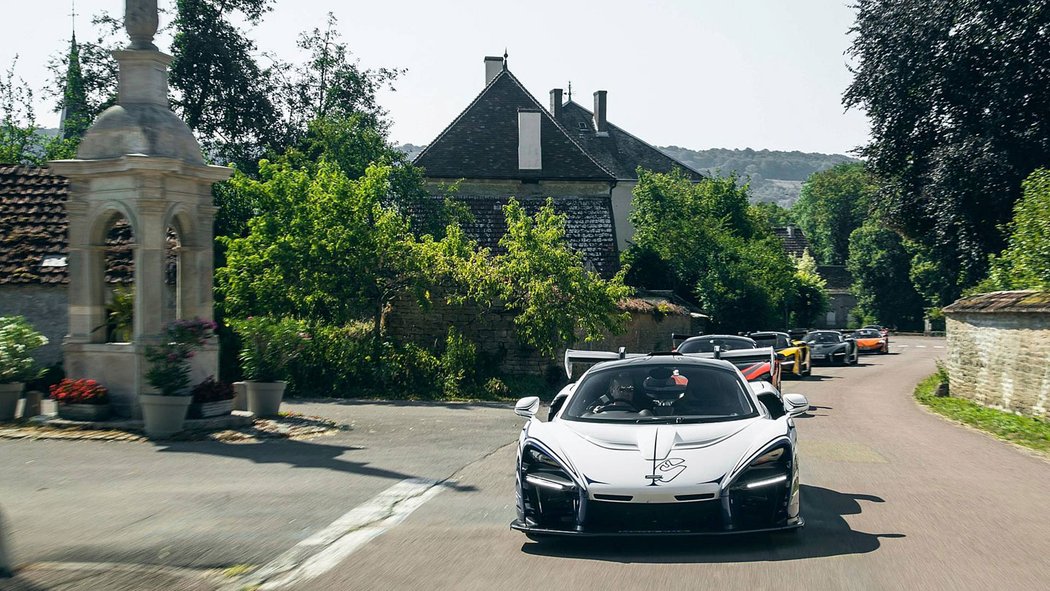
x=659 y=444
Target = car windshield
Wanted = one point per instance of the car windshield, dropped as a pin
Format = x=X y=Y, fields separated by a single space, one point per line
x=708 y=344
x=660 y=392
x=770 y=340
x=868 y=333
x=823 y=338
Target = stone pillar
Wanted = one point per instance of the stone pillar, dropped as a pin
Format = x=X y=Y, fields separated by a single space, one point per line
x=138 y=160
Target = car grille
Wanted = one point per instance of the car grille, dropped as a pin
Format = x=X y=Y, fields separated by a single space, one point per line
x=653 y=517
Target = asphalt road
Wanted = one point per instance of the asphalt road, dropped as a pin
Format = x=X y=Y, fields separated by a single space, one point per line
x=894 y=498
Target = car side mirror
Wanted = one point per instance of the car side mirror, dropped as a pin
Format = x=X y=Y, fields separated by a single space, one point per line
x=795 y=404
x=527 y=407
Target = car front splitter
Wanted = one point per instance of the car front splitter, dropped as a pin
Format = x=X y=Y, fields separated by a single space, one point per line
x=522 y=527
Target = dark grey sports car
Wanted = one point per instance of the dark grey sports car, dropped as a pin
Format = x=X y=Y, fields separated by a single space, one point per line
x=833 y=346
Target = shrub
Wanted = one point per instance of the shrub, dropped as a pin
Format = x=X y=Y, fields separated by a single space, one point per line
x=211 y=390
x=169 y=371
x=268 y=345
x=496 y=388
x=336 y=361
x=416 y=370
x=458 y=365
x=79 y=391
x=18 y=339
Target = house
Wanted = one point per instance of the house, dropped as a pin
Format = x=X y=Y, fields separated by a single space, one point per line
x=506 y=144
x=841 y=300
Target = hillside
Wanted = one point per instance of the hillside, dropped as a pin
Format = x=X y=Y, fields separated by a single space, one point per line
x=775 y=175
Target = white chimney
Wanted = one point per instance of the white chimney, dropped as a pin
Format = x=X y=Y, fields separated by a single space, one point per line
x=493 y=66
x=529 y=156
x=600 y=102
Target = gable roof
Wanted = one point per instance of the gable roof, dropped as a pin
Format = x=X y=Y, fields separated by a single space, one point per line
x=32 y=224
x=793 y=240
x=618 y=150
x=482 y=142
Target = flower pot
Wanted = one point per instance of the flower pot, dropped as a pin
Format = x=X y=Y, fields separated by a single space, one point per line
x=83 y=412
x=9 y=395
x=264 y=398
x=163 y=415
x=203 y=410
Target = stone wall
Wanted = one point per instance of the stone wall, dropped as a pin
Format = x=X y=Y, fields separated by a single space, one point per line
x=493 y=332
x=1000 y=357
x=45 y=307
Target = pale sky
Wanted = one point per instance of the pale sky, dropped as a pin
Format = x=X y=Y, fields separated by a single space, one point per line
x=698 y=74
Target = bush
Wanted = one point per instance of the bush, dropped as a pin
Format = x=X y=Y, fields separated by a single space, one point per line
x=212 y=391
x=18 y=340
x=268 y=345
x=169 y=371
x=458 y=365
x=80 y=391
x=337 y=361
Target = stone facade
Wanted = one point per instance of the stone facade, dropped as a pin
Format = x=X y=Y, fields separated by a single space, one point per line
x=44 y=306
x=999 y=349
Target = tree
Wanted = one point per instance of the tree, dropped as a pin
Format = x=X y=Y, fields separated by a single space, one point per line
x=775 y=215
x=832 y=204
x=544 y=281
x=881 y=266
x=958 y=96
x=811 y=292
x=84 y=79
x=705 y=242
x=19 y=142
x=1025 y=264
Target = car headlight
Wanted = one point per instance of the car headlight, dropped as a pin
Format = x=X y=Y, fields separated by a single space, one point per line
x=767 y=457
x=536 y=456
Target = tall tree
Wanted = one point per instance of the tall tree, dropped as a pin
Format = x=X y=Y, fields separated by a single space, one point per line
x=75 y=115
x=958 y=95
x=19 y=141
x=832 y=204
x=84 y=79
x=1025 y=264
x=881 y=267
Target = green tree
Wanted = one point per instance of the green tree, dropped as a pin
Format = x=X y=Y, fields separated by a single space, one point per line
x=84 y=79
x=811 y=292
x=775 y=215
x=881 y=266
x=832 y=204
x=958 y=96
x=545 y=282
x=1025 y=264
x=705 y=242
x=19 y=141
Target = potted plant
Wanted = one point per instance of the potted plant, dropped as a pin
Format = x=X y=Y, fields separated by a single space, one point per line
x=17 y=342
x=211 y=399
x=121 y=314
x=268 y=345
x=81 y=400
x=169 y=374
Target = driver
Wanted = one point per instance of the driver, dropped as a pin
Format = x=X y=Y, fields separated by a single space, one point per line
x=620 y=396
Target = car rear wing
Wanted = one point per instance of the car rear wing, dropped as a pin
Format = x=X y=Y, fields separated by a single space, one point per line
x=740 y=358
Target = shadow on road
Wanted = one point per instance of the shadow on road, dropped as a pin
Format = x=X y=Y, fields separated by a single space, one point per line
x=298 y=454
x=826 y=534
x=401 y=403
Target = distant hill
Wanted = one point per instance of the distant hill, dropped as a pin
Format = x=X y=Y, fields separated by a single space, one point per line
x=775 y=176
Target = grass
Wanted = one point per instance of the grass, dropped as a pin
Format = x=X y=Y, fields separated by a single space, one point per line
x=1024 y=431
x=237 y=570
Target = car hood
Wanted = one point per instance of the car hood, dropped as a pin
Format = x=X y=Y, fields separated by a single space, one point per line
x=821 y=347
x=661 y=460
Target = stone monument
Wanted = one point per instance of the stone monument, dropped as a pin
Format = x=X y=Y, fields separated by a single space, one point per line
x=138 y=161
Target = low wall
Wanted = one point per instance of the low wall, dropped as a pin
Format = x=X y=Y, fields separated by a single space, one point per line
x=999 y=351
x=46 y=308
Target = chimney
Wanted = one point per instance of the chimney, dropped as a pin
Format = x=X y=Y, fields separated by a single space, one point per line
x=600 y=122
x=493 y=66
x=556 y=103
x=529 y=156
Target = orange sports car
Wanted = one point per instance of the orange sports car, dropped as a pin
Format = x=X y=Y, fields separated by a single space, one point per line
x=871 y=340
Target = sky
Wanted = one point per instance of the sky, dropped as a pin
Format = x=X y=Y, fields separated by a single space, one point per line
x=693 y=73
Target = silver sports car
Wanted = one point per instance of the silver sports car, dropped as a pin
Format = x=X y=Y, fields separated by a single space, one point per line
x=659 y=444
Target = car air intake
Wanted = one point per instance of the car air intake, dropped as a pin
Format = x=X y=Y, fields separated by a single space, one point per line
x=622 y=498
x=700 y=497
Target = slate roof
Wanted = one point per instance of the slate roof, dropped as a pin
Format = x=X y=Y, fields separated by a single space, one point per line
x=588 y=225
x=32 y=224
x=618 y=151
x=837 y=277
x=1003 y=301
x=482 y=142
x=793 y=239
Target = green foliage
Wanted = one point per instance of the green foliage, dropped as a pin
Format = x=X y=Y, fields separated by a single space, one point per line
x=269 y=344
x=881 y=268
x=19 y=142
x=833 y=203
x=18 y=340
x=1025 y=264
x=93 y=87
x=458 y=364
x=169 y=370
x=710 y=247
x=958 y=96
x=1026 y=431
x=544 y=281
x=774 y=215
x=811 y=293
x=121 y=316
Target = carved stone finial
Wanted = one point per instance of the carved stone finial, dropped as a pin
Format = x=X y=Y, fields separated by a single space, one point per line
x=141 y=21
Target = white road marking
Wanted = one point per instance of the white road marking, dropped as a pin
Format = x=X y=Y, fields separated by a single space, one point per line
x=938 y=346
x=324 y=550
x=920 y=346
x=902 y=346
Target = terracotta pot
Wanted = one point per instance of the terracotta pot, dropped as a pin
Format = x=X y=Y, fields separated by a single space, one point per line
x=9 y=395
x=203 y=410
x=163 y=416
x=264 y=398
x=83 y=412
